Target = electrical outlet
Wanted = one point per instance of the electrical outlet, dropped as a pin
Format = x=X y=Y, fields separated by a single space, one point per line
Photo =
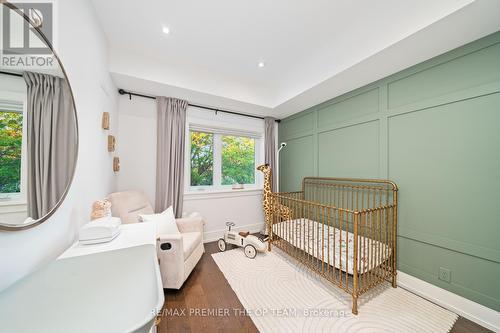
x=444 y=274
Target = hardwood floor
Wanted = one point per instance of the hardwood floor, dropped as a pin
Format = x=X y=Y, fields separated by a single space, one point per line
x=206 y=303
x=466 y=326
x=206 y=288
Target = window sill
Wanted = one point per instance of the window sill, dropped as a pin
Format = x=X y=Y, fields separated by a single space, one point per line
x=14 y=206
x=213 y=194
x=13 y=202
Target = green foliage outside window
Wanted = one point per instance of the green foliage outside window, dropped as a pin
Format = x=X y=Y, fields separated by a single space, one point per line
x=202 y=158
x=238 y=160
x=11 y=124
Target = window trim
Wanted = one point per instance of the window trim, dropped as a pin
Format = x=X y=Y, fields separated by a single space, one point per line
x=218 y=132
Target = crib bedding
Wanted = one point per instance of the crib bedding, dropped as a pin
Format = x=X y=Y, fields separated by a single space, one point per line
x=310 y=236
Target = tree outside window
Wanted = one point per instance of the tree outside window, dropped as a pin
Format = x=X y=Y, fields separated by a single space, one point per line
x=238 y=160
x=202 y=158
x=11 y=124
x=221 y=160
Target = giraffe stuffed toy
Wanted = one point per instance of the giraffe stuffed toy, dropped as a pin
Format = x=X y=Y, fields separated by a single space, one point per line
x=267 y=200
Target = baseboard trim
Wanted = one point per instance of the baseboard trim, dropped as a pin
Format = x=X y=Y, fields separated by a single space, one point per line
x=211 y=236
x=468 y=309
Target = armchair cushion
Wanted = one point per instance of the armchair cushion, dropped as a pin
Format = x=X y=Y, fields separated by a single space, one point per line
x=190 y=224
x=190 y=240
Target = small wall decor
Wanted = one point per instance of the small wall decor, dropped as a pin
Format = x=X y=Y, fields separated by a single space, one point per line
x=111 y=143
x=105 y=120
x=116 y=164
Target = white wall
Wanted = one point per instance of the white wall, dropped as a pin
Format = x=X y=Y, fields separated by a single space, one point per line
x=136 y=145
x=242 y=208
x=82 y=49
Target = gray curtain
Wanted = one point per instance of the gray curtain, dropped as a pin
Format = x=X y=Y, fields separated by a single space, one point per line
x=170 y=145
x=270 y=147
x=51 y=141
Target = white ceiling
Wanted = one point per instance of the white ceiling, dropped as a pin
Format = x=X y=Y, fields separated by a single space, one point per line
x=214 y=46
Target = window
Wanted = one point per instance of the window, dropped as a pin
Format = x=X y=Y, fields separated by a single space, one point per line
x=11 y=133
x=219 y=160
x=238 y=160
x=202 y=159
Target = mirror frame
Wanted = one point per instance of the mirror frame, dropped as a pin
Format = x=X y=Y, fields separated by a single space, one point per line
x=9 y=227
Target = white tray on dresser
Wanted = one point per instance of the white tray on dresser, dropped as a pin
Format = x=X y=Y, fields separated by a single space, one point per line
x=130 y=235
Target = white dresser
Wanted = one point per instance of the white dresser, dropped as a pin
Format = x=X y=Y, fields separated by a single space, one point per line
x=112 y=287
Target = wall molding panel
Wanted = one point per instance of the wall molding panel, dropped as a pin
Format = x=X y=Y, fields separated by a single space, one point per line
x=430 y=128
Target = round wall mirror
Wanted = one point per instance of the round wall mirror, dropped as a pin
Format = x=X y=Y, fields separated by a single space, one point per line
x=38 y=124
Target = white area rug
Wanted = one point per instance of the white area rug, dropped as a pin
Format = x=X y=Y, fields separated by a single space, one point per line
x=282 y=296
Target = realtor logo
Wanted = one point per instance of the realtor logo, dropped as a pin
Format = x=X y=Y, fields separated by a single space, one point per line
x=23 y=47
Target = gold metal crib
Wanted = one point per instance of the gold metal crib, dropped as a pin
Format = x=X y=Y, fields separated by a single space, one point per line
x=342 y=229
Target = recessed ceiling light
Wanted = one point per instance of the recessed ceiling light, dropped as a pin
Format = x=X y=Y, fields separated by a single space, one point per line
x=261 y=64
x=166 y=30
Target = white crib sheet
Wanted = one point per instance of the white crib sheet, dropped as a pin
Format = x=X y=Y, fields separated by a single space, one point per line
x=306 y=234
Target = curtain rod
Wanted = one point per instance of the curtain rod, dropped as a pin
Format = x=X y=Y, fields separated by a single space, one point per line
x=11 y=74
x=130 y=94
x=124 y=92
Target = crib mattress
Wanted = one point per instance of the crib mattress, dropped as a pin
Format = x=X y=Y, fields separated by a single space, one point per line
x=307 y=235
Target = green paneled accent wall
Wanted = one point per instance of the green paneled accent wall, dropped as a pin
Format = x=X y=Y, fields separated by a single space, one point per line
x=353 y=151
x=356 y=106
x=299 y=160
x=434 y=129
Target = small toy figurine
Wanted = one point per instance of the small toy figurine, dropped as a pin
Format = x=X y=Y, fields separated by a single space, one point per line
x=101 y=208
x=250 y=243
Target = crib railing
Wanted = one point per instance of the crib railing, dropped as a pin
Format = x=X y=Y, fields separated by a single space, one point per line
x=342 y=229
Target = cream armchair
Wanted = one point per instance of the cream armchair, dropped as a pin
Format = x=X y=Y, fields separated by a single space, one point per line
x=178 y=254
